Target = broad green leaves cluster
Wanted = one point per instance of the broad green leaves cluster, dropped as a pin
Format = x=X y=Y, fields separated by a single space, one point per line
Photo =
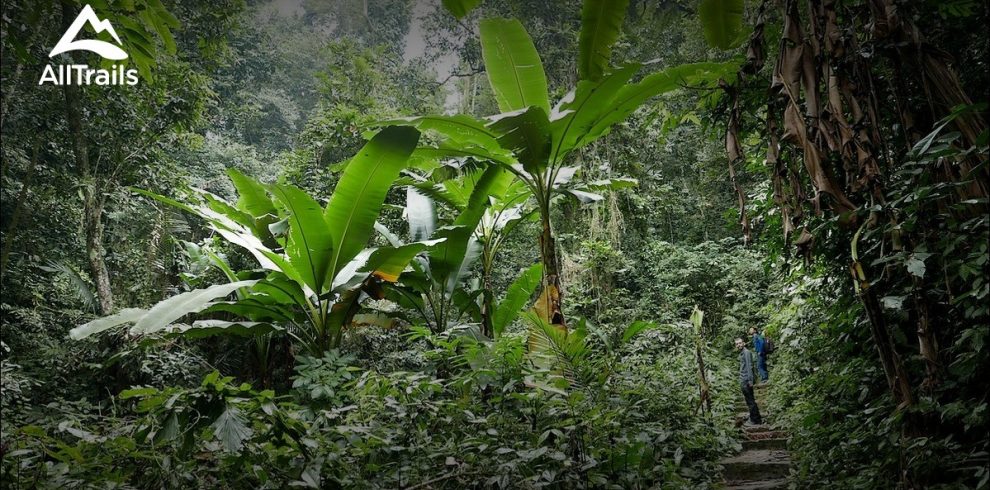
x=533 y=140
x=313 y=261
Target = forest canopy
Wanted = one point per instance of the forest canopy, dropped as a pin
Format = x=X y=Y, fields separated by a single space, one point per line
x=494 y=244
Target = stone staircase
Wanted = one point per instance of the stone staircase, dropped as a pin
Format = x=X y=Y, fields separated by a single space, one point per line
x=764 y=462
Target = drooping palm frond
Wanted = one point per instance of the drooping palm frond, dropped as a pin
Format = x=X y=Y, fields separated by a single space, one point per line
x=553 y=348
x=80 y=286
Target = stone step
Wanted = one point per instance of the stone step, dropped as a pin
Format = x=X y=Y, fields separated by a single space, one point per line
x=756 y=464
x=758 y=428
x=744 y=414
x=779 y=443
x=741 y=419
x=756 y=484
x=767 y=434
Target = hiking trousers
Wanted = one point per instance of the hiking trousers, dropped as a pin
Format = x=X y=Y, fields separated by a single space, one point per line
x=754 y=411
x=761 y=366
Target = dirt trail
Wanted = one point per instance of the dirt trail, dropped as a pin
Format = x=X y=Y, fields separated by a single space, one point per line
x=764 y=461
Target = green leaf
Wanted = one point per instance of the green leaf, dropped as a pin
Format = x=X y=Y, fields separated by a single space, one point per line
x=635 y=329
x=601 y=24
x=360 y=193
x=253 y=309
x=164 y=15
x=171 y=309
x=578 y=111
x=514 y=68
x=392 y=238
x=127 y=315
x=527 y=134
x=152 y=18
x=697 y=317
x=208 y=328
x=138 y=392
x=460 y=8
x=388 y=263
x=631 y=96
x=893 y=302
x=310 y=243
x=517 y=297
x=721 y=21
x=252 y=198
x=459 y=128
x=169 y=201
x=231 y=429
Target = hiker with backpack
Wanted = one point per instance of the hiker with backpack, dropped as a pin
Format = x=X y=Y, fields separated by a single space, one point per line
x=762 y=346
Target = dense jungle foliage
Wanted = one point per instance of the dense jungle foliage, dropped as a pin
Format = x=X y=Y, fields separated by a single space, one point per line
x=494 y=243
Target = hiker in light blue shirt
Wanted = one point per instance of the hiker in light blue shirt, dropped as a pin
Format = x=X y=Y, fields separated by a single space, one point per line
x=760 y=347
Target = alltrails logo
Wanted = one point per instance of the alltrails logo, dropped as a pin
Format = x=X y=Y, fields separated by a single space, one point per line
x=83 y=74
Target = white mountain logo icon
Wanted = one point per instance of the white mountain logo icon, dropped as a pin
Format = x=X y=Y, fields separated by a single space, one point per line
x=102 y=48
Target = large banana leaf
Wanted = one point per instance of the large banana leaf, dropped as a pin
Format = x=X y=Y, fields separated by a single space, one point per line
x=514 y=68
x=721 y=22
x=360 y=193
x=161 y=315
x=310 y=244
x=127 y=315
x=225 y=220
x=601 y=23
x=223 y=208
x=252 y=197
x=209 y=328
x=631 y=96
x=171 y=309
x=386 y=263
x=253 y=200
x=587 y=192
x=516 y=297
x=389 y=263
x=578 y=111
x=527 y=134
x=460 y=129
x=460 y=8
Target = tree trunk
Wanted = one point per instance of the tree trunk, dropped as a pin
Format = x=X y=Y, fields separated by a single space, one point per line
x=487 y=294
x=93 y=224
x=549 y=303
x=93 y=199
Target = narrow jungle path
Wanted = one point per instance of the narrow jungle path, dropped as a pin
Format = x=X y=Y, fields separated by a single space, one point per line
x=764 y=461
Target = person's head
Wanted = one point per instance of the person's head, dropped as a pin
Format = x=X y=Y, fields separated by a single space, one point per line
x=752 y=330
x=740 y=343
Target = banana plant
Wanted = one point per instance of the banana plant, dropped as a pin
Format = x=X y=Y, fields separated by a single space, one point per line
x=534 y=140
x=507 y=207
x=501 y=218
x=439 y=287
x=313 y=264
